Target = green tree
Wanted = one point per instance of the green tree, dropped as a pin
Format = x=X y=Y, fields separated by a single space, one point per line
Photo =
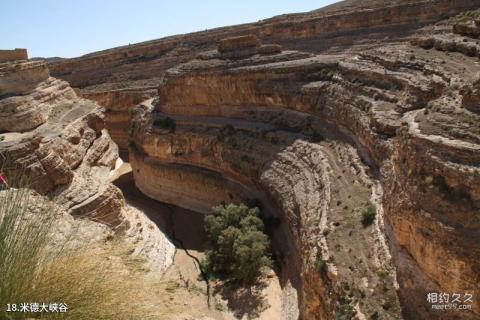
x=240 y=248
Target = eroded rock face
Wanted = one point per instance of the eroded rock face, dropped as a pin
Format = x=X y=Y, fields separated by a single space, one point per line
x=172 y=183
x=118 y=106
x=397 y=135
x=471 y=96
x=238 y=47
x=67 y=233
x=25 y=112
x=334 y=28
x=250 y=121
x=21 y=76
x=28 y=94
x=358 y=115
x=113 y=77
x=56 y=144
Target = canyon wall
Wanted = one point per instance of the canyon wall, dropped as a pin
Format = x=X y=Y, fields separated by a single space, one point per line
x=131 y=72
x=340 y=26
x=254 y=121
x=118 y=105
x=55 y=143
x=340 y=109
x=319 y=137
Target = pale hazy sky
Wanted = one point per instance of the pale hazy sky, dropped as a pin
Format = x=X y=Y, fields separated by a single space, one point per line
x=70 y=28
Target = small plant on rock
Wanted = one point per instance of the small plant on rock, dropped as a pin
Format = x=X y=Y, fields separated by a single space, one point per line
x=131 y=129
x=131 y=111
x=316 y=137
x=368 y=214
x=321 y=266
x=165 y=123
x=228 y=130
x=344 y=311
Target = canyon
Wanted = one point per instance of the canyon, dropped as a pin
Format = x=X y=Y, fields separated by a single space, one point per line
x=313 y=117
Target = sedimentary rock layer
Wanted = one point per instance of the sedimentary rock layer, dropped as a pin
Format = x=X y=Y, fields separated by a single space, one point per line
x=118 y=112
x=20 y=77
x=250 y=134
x=56 y=144
x=26 y=112
x=333 y=28
x=404 y=109
x=122 y=77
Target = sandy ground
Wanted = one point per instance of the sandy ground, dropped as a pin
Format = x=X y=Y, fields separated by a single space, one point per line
x=183 y=293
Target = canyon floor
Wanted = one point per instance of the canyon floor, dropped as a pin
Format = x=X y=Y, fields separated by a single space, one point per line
x=183 y=292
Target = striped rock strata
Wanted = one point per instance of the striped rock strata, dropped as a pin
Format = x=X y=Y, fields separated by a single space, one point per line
x=314 y=138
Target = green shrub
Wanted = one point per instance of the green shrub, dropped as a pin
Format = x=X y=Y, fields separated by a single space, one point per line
x=226 y=134
x=321 y=266
x=344 y=311
x=165 y=123
x=219 y=306
x=316 y=137
x=228 y=130
x=240 y=248
x=368 y=214
x=440 y=185
x=131 y=111
x=327 y=73
x=131 y=129
x=382 y=273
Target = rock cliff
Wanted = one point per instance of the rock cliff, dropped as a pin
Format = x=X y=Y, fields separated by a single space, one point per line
x=317 y=138
x=118 y=104
x=131 y=72
x=56 y=144
x=332 y=28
